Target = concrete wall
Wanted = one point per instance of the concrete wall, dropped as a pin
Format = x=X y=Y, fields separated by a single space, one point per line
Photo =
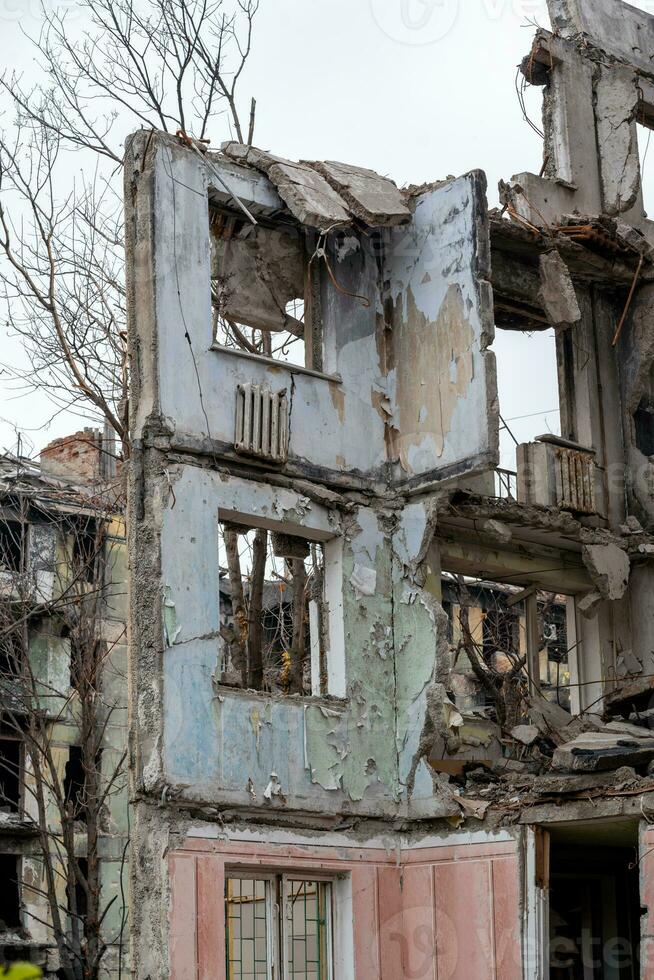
x=327 y=753
x=433 y=273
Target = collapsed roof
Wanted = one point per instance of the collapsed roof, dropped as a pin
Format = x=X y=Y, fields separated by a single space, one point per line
x=325 y=194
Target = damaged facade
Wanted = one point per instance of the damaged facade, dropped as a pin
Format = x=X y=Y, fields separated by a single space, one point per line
x=62 y=613
x=434 y=760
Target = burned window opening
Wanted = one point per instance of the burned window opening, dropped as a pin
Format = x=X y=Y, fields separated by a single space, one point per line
x=9 y=892
x=86 y=548
x=10 y=774
x=272 y=611
x=511 y=640
x=644 y=426
x=12 y=544
x=258 y=289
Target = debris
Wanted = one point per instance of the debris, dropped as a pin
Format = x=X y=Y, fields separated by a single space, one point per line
x=273 y=789
x=548 y=717
x=557 y=291
x=499 y=532
x=589 y=605
x=627 y=665
x=605 y=750
x=525 y=734
x=327 y=194
x=473 y=808
x=609 y=567
x=632 y=526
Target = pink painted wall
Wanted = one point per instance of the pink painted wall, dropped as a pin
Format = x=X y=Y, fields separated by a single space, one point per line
x=647 y=902
x=432 y=913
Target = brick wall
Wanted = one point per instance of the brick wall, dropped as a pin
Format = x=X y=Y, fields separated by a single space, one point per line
x=75 y=457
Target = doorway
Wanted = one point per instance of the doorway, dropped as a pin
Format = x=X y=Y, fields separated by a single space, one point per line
x=594 y=903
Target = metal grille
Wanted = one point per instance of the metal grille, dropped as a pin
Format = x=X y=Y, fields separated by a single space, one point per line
x=246 y=929
x=261 y=422
x=307 y=930
x=281 y=920
x=575 y=480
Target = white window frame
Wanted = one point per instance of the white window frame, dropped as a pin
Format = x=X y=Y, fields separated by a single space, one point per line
x=332 y=546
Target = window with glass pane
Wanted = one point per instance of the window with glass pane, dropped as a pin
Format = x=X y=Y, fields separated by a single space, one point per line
x=247 y=937
x=307 y=929
x=292 y=915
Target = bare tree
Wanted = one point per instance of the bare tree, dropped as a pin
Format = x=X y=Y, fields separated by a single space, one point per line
x=61 y=806
x=172 y=65
x=267 y=644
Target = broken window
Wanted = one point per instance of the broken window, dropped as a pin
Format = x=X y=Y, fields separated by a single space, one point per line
x=279 y=920
x=257 y=288
x=272 y=611
x=511 y=640
x=9 y=892
x=10 y=774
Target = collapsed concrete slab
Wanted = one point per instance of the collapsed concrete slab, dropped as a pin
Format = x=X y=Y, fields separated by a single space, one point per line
x=324 y=194
x=308 y=196
x=373 y=199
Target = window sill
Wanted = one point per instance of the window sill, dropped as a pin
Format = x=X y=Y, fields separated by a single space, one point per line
x=331 y=703
x=271 y=362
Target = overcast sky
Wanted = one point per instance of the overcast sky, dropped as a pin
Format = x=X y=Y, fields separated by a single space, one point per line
x=416 y=89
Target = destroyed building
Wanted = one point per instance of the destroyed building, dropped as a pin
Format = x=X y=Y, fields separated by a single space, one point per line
x=63 y=611
x=448 y=774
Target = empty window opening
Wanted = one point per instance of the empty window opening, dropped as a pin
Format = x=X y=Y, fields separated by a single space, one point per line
x=10 y=775
x=75 y=784
x=530 y=86
x=257 y=288
x=644 y=418
x=646 y=155
x=594 y=905
x=499 y=632
x=281 y=920
x=272 y=611
x=12 y=540
x=528 y=389
x=9 y=892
